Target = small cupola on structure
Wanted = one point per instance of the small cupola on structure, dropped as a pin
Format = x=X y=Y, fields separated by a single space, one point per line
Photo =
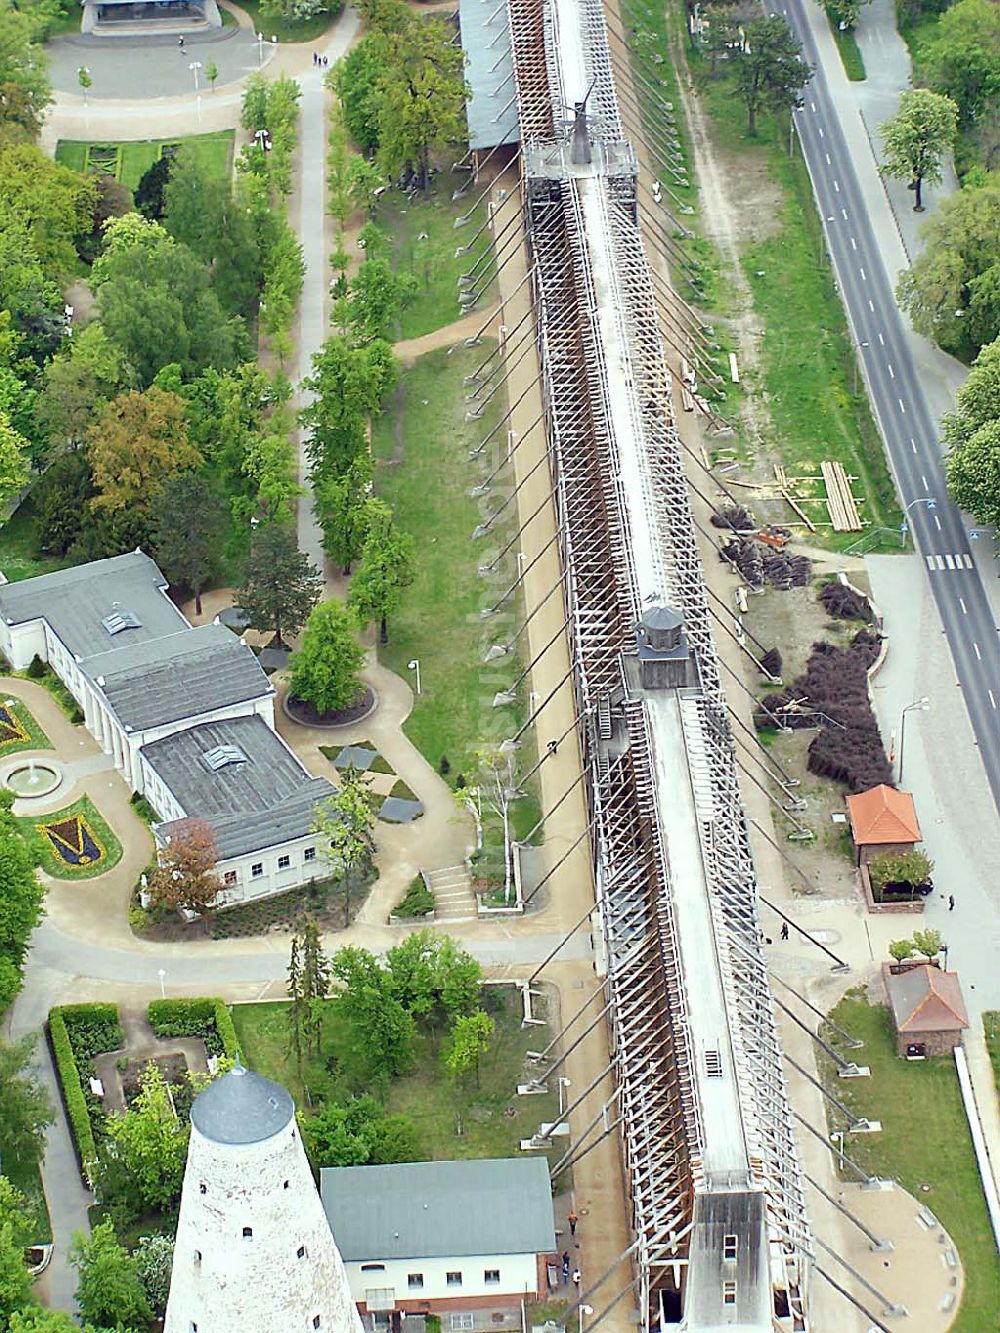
x=254 y=1252
x=665 y=660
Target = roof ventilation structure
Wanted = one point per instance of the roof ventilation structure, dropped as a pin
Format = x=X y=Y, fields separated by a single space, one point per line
x=221 y=756
x=119 y=619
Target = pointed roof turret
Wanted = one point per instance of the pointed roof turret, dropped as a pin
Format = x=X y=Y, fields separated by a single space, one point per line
x=241 y=1107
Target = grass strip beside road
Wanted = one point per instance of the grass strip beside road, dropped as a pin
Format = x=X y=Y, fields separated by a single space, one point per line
x=850 y=53
x=991 y=1030
x=925 y=1144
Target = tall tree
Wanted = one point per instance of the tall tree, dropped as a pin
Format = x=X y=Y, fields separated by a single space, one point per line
x=154 y=1256
x=770 y=71
x=916 y=139
x=138 y=442
x=325 y=668
x=345 y=824
x=499 y=789
x=25 y=91
x=433 y=978
x=25 y=1109
x=280 y=584
x=308 y=988
x=376 y=296
x=16 y=1234
x=21 y=897
x=150 y=1140
x=962 y=57
x=86 y=374
x=341 y=505
x=470 y=1040
x=109 y=1292
x=186 y=529
x=57 y=203
x=422 y=94
x=13 y=460
x=349 y=384
x=973 y=472
x=150 y=192
x=185 y=874
x=386 y=569
x=380 y=1031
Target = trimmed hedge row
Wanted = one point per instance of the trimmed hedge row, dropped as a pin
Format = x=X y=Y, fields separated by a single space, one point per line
x=202 y=1016
x=78 y=1032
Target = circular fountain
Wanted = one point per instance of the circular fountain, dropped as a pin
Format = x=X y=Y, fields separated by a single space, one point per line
x=32 y=779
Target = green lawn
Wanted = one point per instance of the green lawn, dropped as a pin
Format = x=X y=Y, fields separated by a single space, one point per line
x=306 y=30
x=97 y=829
x=991 y=1028
x=925 y=1140
x=425 y=239
x=129 y=161
x=850 y=53
x=19 y=555
x=36 y=738
x=421 y=443
x=454 y=1120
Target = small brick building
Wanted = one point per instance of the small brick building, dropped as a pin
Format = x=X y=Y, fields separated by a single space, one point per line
x=927 y=1009
x=883 y=821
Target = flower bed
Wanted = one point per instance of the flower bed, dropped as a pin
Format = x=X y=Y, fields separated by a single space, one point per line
x=19 y=730
x=74 y=843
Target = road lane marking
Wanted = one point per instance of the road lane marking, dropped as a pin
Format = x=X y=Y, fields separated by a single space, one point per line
x=961 y=602
x=950 y=561
x=843 y=213
x=821 y=134
x=977 y=652
x=881 y=339
x=924 y=480
x=812 y=106
x=862 y=272
x=937 y=524
x=992 y=700
x=902 y=405
x=854 y=244
x=828 y=162
x=967 y=561
x=836 y=186
x=913 y=446
x=892 y=373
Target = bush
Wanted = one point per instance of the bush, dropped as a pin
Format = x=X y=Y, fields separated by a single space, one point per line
x=905 y=868
x=36 y=668
x=418 y=901
x=203 y=1017
x=226 y=1030
x=72 y=1092
x=92 y=1029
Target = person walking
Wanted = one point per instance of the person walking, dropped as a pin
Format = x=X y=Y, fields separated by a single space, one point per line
x=951 y=902
x=576 y=1277
x=565 y=1266
x=572 y=1219
x=784 y=930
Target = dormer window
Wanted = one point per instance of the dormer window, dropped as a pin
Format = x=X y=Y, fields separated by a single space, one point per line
x=221 y=756
x=120 y=618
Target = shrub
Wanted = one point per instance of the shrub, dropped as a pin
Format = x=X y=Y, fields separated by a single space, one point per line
x=37 y=668
x=226 y=1030
x=202 y=1016
x=900 y=868
x=92 y=1028
x=418 y=900
x=72 y=1092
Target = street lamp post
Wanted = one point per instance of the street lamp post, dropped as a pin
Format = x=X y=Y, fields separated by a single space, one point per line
x=260 y=49
x=194 y=67
x=904 y=527
x=414 y=665
x=585 y=1309
x=162 y=974
x=857 y=358
x=923 y=705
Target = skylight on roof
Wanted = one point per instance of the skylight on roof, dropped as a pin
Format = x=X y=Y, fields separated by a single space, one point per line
x=119 y=619
x=220 y=756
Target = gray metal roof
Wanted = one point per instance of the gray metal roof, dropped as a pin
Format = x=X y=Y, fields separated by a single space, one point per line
x=241 y=1107
x=251 y=806
x=163 y=680
x=491 y=111
x=425 y=1210
x=76 y=601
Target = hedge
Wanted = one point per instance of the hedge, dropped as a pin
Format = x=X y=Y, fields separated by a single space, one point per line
x=202 y=1016
x=72 y=1092
x=92 y=1028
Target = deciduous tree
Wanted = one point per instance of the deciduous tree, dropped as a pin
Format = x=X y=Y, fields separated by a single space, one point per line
x=109 y=1292
x=770 y=71
x=326 y=666
x=421 y=101
x=973 y=472
x=470 y=1040
x=185 y=877
x=345 y=824
x=280 y=584
x=13 y=460
x=341 y=505
x=962 y=57
x=21 y=897
x=25 y=1109
x=16 y=1234
x=25 y=91
x=86 y=374
x=151 y=1141
x=350 y=384
x=929 y=942
x=186 y=529
x=386 y=569
x=380 y=1040
x=56 y=203
x=433 y=978
x=137 y=443
x=358 y=1133
x=916 y=139
x=900 y=950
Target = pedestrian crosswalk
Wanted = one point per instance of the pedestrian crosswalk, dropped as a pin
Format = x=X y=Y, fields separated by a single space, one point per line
x=963 y=560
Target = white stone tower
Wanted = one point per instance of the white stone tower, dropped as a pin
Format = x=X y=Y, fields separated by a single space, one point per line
x=254 y=1251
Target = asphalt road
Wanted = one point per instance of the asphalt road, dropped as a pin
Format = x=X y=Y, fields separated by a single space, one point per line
x=940 y=532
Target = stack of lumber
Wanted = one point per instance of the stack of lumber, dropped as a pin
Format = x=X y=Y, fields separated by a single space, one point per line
x=840 y=500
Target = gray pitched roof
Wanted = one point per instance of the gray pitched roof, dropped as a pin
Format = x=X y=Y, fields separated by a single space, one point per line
x=241 y=1107
x=423 y=1210
x=265 y=800
x=189 y=672
x=76 y=601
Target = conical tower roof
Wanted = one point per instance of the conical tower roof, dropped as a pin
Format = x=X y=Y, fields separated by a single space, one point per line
x=241 y=1107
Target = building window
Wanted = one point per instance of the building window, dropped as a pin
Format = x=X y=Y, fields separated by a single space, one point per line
x=729 y=1293
x=202 y=1188
x=229 y=877
x=453 y=1279
x=300 y=1253
x=194 y=1327
x=286 y=1185
x=729 y=1246
x=284 y=862
x=373 y=1268
x=309 y=854
x=197 y=1256
x=248 y=1233
x=461 y=1321
x=257 y=869
x=492 y=1277
x=315 y=1321
x=414 y=1281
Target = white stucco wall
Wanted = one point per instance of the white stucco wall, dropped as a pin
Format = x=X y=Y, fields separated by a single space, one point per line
x=287 y=1275
x=518 y=1275
x=20 y=643
x=272 y=879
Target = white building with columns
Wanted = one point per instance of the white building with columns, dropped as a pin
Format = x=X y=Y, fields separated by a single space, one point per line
x=186 y=712
x=254 y=1252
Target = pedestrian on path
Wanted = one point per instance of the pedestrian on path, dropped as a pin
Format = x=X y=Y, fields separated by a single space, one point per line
x=951 y=902
x=576 y=1277
x=572 y=1219
x=784 y=930
x=565 y=1266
